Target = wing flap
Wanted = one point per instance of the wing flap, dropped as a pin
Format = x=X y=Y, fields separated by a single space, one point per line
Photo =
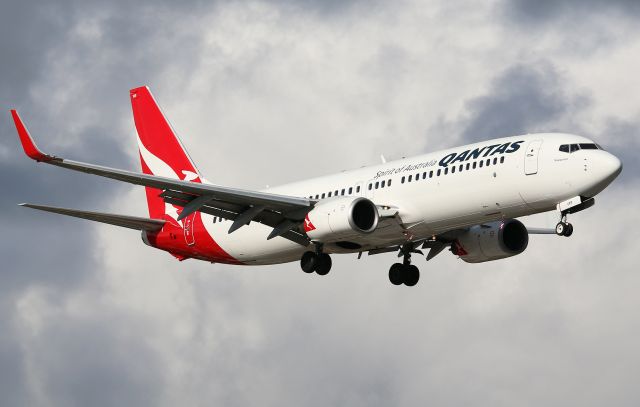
x=131 y=222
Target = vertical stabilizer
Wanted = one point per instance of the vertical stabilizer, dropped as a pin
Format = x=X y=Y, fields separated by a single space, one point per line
x=161 y=152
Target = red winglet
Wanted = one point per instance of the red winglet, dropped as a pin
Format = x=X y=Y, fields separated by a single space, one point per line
x=28 y=145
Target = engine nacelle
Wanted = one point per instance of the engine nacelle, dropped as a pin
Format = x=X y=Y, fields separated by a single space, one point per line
x=341 y=218
x=492 y=241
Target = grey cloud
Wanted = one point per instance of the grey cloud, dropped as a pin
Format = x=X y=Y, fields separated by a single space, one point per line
x=88 y=362
x=274 y=336
x=532 y=11
x=83 y=362
x=622 y=137
x=524 y=98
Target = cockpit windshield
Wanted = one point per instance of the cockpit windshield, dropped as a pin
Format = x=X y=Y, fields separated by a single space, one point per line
x=572 y=148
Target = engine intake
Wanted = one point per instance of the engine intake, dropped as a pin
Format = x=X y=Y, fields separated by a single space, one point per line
x=492 y=241
x=341 y=218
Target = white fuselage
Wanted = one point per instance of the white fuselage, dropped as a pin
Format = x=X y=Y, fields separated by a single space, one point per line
x=534 y=178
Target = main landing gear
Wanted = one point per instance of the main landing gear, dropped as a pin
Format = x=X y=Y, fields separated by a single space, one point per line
x=318 y=262
x=404 y=273
x=564 y=228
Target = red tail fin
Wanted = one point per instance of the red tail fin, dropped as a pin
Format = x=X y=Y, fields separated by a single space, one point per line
x=161 y=152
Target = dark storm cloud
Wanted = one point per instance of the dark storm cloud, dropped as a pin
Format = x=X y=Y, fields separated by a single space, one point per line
x=536 y=98
x=56 y=252
x=522 y=99
x=533 y=11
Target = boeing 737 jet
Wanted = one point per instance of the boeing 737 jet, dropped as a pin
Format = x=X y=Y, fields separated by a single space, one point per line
x=465 y=198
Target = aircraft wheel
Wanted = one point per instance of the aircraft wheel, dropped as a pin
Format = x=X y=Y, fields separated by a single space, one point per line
x=568 y=230
x=560 y=228
x=323 y=264
x=396 y=274
x=309 y=262
x=411 y=275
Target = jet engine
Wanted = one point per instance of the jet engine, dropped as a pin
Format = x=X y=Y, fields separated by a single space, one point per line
x=341 y=218
x=491 y=241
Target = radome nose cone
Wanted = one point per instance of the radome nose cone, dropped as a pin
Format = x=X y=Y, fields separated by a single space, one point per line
x=615 y=166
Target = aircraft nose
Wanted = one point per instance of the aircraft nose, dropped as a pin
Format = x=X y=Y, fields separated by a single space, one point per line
x=611 y=166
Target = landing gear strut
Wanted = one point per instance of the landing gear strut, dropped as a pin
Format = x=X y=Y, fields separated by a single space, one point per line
x=404 y=273
x=318 y=262
x=564 y=228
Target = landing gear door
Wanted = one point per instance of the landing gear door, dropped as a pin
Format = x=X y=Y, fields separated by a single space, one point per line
x=531 y=157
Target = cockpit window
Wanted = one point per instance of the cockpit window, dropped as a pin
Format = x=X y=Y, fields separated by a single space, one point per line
x=570 y=148
x=588 y=146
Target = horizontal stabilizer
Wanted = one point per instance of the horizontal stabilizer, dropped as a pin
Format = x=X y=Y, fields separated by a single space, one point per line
x=131 y=222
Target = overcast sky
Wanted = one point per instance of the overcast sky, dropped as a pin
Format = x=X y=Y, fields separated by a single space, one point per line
x=267 y=92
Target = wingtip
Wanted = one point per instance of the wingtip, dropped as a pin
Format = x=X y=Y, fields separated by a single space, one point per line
x=28 y=145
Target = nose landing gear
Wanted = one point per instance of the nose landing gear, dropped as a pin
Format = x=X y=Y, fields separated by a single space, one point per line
x=564 y=228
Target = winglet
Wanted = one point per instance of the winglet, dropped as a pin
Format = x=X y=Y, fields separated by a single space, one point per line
x=28 y=145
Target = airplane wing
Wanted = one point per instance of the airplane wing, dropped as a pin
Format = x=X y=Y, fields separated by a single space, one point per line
x=281 y=212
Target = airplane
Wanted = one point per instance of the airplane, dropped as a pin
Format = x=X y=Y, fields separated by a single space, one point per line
x=466 y=199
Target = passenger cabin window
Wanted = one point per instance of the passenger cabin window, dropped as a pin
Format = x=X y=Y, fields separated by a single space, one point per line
x=409 y=178
x=370 y=186
x=474 y=165
x=453 y=169
x=377 y=184
x=402 y=180
x=501 y=159
x=430 y=174
x=358 y=189
x=461 y=167
x=468 y=166
x=446 y=170
x=329 y=195
x=342 y=192
x=350 y=190
x=389 y=183
x=495 y=161
x=438 y=174
x=322 y=196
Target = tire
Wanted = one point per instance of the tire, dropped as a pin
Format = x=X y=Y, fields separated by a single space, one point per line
x=411 y=276
x=396 y=275
x=309 y=262
x=560 y=228
x=323 y=265
x=568 y=230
